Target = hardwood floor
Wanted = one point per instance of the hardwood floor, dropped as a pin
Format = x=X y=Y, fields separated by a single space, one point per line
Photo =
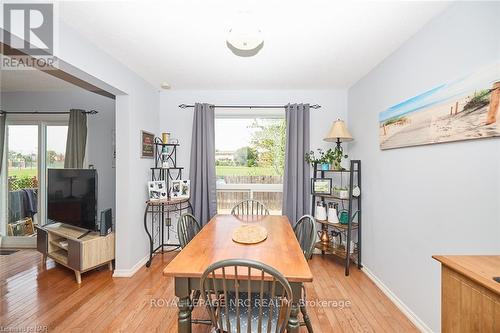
x=49 y=297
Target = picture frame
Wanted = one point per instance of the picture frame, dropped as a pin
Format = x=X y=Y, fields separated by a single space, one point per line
x=321 y=186
x=147 y=144
x=459 y=109
x=157 y=190
x=180 y=189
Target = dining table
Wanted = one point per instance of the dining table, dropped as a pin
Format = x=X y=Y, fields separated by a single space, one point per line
x=214 y=243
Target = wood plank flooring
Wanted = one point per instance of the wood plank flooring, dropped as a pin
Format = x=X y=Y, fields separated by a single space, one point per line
x=48 y=297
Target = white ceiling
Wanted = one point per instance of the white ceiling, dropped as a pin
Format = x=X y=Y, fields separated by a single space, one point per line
x=308 y=44
x=32 y=80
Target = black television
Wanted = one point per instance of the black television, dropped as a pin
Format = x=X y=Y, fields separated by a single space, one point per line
x=72 y=197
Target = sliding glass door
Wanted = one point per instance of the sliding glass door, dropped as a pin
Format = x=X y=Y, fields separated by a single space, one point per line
x=23 y=178
x=56 y=146
x=32 y=147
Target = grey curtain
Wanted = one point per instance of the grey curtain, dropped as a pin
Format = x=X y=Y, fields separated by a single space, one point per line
x=202 y=166
x=296 y=181
x=2 y=138
x=77 y=139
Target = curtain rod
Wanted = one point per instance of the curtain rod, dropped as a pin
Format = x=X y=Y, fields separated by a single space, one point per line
x=185 y=106
x=45 y=112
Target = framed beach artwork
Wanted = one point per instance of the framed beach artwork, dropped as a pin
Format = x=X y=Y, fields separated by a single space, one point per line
x=464 y=109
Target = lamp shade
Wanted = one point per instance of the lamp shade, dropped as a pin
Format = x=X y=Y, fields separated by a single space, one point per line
x=338 y=131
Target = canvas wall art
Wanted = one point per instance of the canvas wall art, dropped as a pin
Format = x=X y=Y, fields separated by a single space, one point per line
x=464 y=109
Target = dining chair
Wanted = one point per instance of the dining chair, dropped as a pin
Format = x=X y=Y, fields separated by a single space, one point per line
x=250 y=207
x=187 y=228
x=305 y=231
x=245 y=309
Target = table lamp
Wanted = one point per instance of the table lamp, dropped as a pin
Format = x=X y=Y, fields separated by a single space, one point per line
x=338 y=133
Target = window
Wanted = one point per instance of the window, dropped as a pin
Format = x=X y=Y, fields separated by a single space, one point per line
x=249 y=159
x=56 y=146
x=22 y=175
x=33 y=144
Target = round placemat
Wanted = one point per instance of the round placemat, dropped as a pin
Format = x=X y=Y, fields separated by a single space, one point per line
x=249 y=234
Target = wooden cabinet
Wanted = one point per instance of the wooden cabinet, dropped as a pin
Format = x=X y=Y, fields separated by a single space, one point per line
x=61 y=243
x=470 y=298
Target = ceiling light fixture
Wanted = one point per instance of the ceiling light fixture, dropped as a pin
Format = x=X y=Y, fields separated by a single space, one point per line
x=245 y=38
x=165 y=85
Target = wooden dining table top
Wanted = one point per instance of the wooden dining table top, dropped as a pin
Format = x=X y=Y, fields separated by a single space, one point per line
x=213 y=243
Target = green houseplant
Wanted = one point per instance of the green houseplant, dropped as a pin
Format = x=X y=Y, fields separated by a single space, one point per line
x=320 y=159
x=335 y=157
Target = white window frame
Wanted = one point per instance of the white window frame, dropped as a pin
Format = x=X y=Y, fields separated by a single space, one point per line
x=42 y=121
x=278 y=113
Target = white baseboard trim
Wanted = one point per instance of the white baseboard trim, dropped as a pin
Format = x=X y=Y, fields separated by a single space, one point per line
x=401 y=306
x=130 y=272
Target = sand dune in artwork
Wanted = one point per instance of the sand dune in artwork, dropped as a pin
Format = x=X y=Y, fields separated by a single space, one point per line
x=442 y=123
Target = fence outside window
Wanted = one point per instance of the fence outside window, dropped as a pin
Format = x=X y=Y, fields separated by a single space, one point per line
x=266 y=189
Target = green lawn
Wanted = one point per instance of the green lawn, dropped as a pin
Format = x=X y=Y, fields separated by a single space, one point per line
x=220 y=171
x=21 y=173
x=244 y=171
x=31 y=172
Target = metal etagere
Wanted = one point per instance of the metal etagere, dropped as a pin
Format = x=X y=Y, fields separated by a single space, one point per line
x=350 y=231
x=160 y=211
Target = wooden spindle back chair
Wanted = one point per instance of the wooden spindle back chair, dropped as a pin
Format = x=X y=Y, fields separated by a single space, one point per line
x=187 y=228
x=250 y=207
x=238 y=300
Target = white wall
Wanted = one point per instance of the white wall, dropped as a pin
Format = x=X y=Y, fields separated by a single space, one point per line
x=436 y=199
x=179 y=121
x=99 y=149
x=137 y=106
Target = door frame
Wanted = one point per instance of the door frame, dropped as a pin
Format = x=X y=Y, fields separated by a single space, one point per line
x=42 y=121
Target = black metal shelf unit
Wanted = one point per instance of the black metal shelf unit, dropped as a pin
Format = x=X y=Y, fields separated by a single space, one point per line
x=350 y=231
x=159 y=211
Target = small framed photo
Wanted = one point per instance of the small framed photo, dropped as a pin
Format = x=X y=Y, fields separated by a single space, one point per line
x=321 y=186
x=157 y=190
x=147 y=145
x=181 y=189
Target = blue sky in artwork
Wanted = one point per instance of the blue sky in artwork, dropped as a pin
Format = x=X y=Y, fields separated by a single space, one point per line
x=409 y=105
x=481 y=79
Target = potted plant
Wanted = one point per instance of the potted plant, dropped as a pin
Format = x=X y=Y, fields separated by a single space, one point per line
x=341 y=192
x=321 y=159
x=335 y=158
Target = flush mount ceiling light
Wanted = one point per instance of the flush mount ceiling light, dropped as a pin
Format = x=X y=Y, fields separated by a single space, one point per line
x=245 y=37
x=165 y=85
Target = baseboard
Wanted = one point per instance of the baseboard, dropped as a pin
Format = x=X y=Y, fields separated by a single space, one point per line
x=130 y=272
x=401 y=306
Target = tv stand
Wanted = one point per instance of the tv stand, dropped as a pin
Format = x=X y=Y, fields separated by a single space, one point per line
x=84 y=234
x=63 y=244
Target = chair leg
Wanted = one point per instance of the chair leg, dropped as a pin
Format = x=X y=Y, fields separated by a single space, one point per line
x=195 y=297
x=307 y=320
x=303 y=310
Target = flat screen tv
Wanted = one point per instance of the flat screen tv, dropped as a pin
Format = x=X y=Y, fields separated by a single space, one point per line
x=72 y=197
